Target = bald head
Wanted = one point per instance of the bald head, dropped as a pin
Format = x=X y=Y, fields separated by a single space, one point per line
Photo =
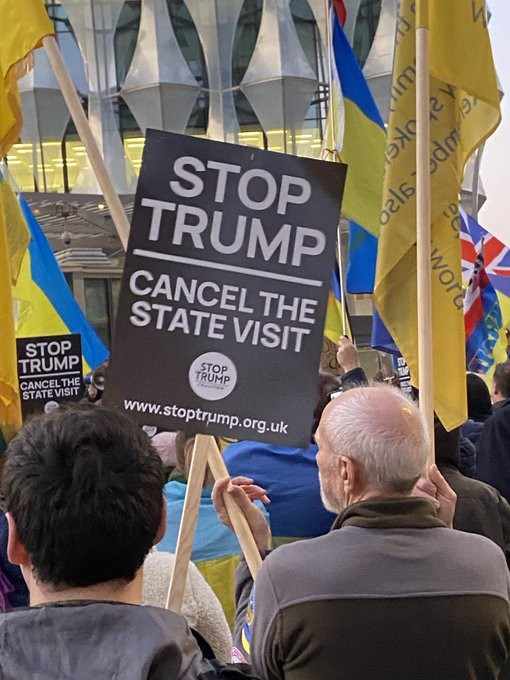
x=380 y=428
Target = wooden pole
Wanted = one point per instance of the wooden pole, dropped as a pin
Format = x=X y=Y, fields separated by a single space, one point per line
x=82 y=126
x=335 y=125
x=423 y=231
x=345 y=326
x=206 y=451
x=188 y=523
x=241 y=527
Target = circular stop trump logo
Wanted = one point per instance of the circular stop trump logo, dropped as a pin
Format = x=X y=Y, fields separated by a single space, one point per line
x=212 y=376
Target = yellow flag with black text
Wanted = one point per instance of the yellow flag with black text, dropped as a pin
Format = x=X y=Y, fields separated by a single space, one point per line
x=24 y=24
x=464 y=111
x=14 y=238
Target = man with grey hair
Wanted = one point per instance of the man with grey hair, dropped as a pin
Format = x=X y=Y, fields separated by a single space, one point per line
x=391 y=592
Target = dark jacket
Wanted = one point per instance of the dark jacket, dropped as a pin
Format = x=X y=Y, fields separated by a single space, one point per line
x=392 y=593
x=480 y=508
x=493 y=449
x=100 y=641
x=467 y=457
x=471 y=430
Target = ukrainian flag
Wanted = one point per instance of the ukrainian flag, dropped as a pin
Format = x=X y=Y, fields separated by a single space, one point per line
x=334 y=325
x=14 y=238
x=500 y=351
x=24 y=24
x=45 y=304
x=356 y=136
x=364 y=138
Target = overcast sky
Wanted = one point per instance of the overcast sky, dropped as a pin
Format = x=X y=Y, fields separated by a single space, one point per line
x=495 y=172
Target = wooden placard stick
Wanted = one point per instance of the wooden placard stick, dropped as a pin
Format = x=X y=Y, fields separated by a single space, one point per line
x=205 y=450
x=188 y=522
x=241 y=527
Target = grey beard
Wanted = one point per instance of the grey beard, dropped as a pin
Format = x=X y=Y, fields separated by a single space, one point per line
x=334 y=505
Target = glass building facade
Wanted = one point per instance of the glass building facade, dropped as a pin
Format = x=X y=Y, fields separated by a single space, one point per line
x=248 y=71
x=253 y=72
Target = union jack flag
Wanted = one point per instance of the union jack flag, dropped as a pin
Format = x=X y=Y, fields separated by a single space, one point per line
x=482 y=318
x=496 y=256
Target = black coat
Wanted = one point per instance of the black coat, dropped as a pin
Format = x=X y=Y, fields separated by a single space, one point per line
x=493 y=449
x=480 y=508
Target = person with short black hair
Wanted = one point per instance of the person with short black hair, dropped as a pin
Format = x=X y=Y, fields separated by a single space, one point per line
x=83 y=491
x=493 y=447
x=478 y=407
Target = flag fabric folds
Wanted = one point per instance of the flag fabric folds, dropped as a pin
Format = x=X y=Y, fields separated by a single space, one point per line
x=333 y=326
x=474 y=239
x=355 y=135
x=496 y=254
x=45 y=304
x=464 y=111
x=362 y=257
x=24 y=24
x=482 y=319
x=14 y=238
x=363 y=143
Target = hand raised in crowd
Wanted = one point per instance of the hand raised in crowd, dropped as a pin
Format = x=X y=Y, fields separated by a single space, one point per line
x=243 y=492
x=437 y=491
x=347 y=354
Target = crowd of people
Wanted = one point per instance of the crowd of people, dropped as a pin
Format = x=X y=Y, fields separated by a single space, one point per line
x=376 y=565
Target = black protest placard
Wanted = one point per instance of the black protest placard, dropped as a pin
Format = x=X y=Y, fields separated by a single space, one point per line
x=49 y=371
x=221 y=313
x=404 y=373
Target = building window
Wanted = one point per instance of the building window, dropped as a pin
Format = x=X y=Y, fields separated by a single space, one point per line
x=366 y=26
x=245 y=39
x=101 y=301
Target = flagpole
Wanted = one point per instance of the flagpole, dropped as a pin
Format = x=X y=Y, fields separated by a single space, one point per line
x=87 y=137
x=334 y=125
x=345 y=327
x=423 y=232
x=476 y=182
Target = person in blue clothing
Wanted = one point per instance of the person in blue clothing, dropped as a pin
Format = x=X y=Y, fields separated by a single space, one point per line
x=493 y=447
x=290 y=475
x=216 y=550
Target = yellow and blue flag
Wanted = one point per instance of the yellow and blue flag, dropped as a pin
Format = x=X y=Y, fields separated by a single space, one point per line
x=464 y=111
x=24 y=25
x=501 y=352
x=363 y=143
x=358 y=140
x=14 y=238
x=45 y=304
x=334 y=324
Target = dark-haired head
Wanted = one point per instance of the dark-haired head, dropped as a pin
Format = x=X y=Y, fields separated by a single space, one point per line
x=478 y=398
x=328 y=384
x=501 y=380
x=84 y=487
